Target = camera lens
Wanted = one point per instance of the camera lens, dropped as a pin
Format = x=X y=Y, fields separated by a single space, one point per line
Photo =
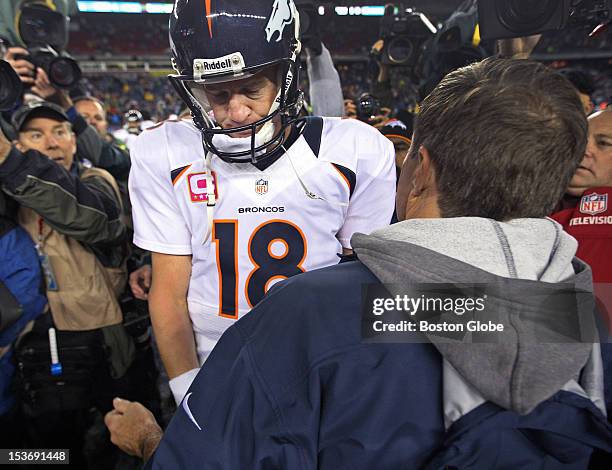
x=519 y=15
x=10 y=86
x=400 y=50
x=64 y=72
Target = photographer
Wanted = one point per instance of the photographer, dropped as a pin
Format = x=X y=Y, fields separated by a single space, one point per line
x=91 y=145
x=47 y=71
x=381 y=85
x=74 y=215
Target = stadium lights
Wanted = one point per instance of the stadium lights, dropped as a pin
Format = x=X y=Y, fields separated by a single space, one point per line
x=158 y=8
x=99 y=6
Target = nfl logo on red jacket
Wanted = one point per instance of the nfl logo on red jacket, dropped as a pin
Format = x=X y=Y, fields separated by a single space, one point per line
x=594 y=203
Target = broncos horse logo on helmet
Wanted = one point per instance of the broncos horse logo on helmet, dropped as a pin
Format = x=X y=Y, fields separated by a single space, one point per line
x=244 y=38
x=282 y=15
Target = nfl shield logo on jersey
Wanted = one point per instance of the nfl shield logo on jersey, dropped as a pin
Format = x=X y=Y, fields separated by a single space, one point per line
x=594 y=203
x=261 y=186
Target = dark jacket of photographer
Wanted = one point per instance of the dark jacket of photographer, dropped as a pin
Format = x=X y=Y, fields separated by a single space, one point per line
x=75 y=217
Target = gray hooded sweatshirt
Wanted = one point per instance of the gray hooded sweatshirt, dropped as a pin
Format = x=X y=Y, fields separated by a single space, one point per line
x=522 y=255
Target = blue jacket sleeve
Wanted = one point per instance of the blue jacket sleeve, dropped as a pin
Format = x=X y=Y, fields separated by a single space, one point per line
x=227 y=420
x=20 y=272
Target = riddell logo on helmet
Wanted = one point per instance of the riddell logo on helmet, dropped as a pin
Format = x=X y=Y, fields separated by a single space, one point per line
x=218 y=65
x=228 y=63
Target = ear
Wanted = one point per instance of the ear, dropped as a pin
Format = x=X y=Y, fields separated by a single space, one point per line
x=73 y=140
x=424 y=175
x=18 y=146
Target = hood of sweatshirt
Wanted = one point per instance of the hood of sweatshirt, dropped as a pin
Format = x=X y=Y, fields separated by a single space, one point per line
x=522 y=260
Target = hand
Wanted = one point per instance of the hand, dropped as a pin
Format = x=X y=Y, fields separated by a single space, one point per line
x=24 y=68
x=377 y=47
x=140 y=282
x=350 y=109
x=133 y=428
x=43 y=88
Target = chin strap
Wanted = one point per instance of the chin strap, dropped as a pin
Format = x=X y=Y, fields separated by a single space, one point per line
x=211 y=199
x=309 y=193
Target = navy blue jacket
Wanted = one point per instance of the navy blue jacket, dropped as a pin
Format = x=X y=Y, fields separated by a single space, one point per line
x=292 y=386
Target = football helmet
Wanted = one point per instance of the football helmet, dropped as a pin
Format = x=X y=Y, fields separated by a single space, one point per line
x=215 y=41
x=133 y=115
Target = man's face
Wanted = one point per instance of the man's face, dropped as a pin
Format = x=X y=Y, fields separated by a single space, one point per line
x=596 y=167
x=240 y=102
x=94 y=114
x=52 y=138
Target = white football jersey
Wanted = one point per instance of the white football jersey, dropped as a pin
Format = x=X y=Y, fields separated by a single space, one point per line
x=124 y=136
x=266 y=227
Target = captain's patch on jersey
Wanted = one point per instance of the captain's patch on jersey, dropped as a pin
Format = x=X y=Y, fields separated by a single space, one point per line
x=594 y=203
x=197 y=186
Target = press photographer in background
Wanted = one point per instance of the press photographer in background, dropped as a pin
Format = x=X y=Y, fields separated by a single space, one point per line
x=73 y=215
x=38 y=55
x=79 y=356
x=47 y=72
x=22 y=296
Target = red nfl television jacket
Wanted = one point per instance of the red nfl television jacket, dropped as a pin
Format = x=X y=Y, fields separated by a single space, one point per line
x=590 y=222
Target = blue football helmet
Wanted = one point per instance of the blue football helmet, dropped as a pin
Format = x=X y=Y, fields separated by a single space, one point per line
x=215 y=41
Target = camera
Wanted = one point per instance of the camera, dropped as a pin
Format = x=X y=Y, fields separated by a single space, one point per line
x=501 y=19
x=45 y=34
x=368 y=107
x=309 y=26
x=11 y=88
x=404 y=32
x=136 y=319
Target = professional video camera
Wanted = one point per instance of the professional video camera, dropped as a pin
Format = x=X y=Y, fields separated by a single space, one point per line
x=11 y=88
x=404 y=32
x=455 y=45
x=517 y=18
x=45 y=34
x=310 y=35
